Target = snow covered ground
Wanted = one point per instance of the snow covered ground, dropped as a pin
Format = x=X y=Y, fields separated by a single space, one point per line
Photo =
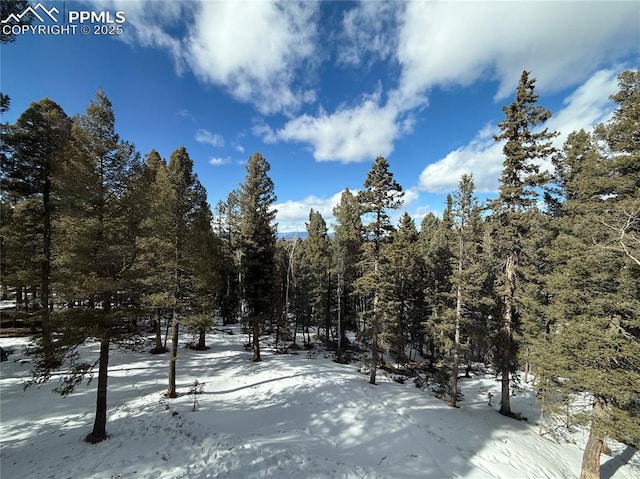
x=290 y=416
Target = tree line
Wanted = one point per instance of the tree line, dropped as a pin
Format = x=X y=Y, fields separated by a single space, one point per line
x=544 y=279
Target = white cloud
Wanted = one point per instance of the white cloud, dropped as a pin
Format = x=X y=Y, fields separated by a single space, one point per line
x=369 y=32
x=266 y=53
x=218 y=161
x=350 y=134
x=149 y=26
x=213 y=139
x=292 y=215
x=440 y=44
x=482 y=157
x=186 y=114
x=254 y=50
x=588 y=105
x=239 y=148
x=265 y=132
x=445 y=43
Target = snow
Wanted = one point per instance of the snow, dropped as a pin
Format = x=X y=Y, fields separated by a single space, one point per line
x=289 y=416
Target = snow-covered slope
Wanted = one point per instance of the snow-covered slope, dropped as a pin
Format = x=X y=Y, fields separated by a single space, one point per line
x=290 y=416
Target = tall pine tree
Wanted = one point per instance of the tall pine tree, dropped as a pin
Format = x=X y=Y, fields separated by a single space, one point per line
x=381 y=193
x=593 y=344
x=467 y=276
x=37 y=145
x=346 y=251
x=520 y=181
x=189 y=196
x=319 y=261
x=257 y=245
x=97 y=249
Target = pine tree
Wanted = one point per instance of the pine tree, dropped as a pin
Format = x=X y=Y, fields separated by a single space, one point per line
x=97 y=249
x=381 y=192
x=519 y=183
x=621 y=138
x=229 y=298
x=257 y=245
x=593 y=341
x=318 y=258
x=346 y=251
x=402 y=297
x=435 y=238
x=155 y=244
x=204 y=248
x=36 y=145
x=467 y=276
x=189 y=197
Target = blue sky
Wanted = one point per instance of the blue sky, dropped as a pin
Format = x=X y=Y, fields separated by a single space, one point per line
x=322 y=88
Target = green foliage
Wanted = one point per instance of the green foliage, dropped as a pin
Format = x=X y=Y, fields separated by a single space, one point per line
x=381 y=192
x=592 y=340
x=347 y=244
x=257 y=244
x=402 y=301
x=511 y=219
x=317 y=257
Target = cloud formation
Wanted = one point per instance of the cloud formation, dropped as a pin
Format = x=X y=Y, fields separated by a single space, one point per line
x=254 y=50
x=350 y=134
x=213 y=139
x=587 y=106
x=293 y=215
x=438 y=44
x=270 y=54
x=218 y=161
x=443 y=43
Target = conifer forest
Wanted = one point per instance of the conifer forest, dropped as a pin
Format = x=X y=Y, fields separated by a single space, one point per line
x=540 y=284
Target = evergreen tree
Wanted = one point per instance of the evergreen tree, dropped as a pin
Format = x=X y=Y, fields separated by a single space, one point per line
x=257 y=245
x=97 y=249
x=229 y=298
x=189 y=198
x=402 y=298
x=346 y=251
x=300 y=292
x=467 y=276
x=435 y=236
x=285 y=251
x=519 y=183
x=204 y=248
x=381 y=192
x=37 y=146
x=593 y=341
x=620 y=136
x=155 y=244
x=318 y=258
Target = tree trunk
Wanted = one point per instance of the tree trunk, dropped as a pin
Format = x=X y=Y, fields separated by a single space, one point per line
x=327 y=315
x=374 y=326
x=374 y=356
x=256 y=340
x=339 y=322
x=99 y=432
x=507 y=335
x=47 y=343
x=202 y=339
x=591 y=457
x=456 y=349
x=171 y=391
x=158 y=327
